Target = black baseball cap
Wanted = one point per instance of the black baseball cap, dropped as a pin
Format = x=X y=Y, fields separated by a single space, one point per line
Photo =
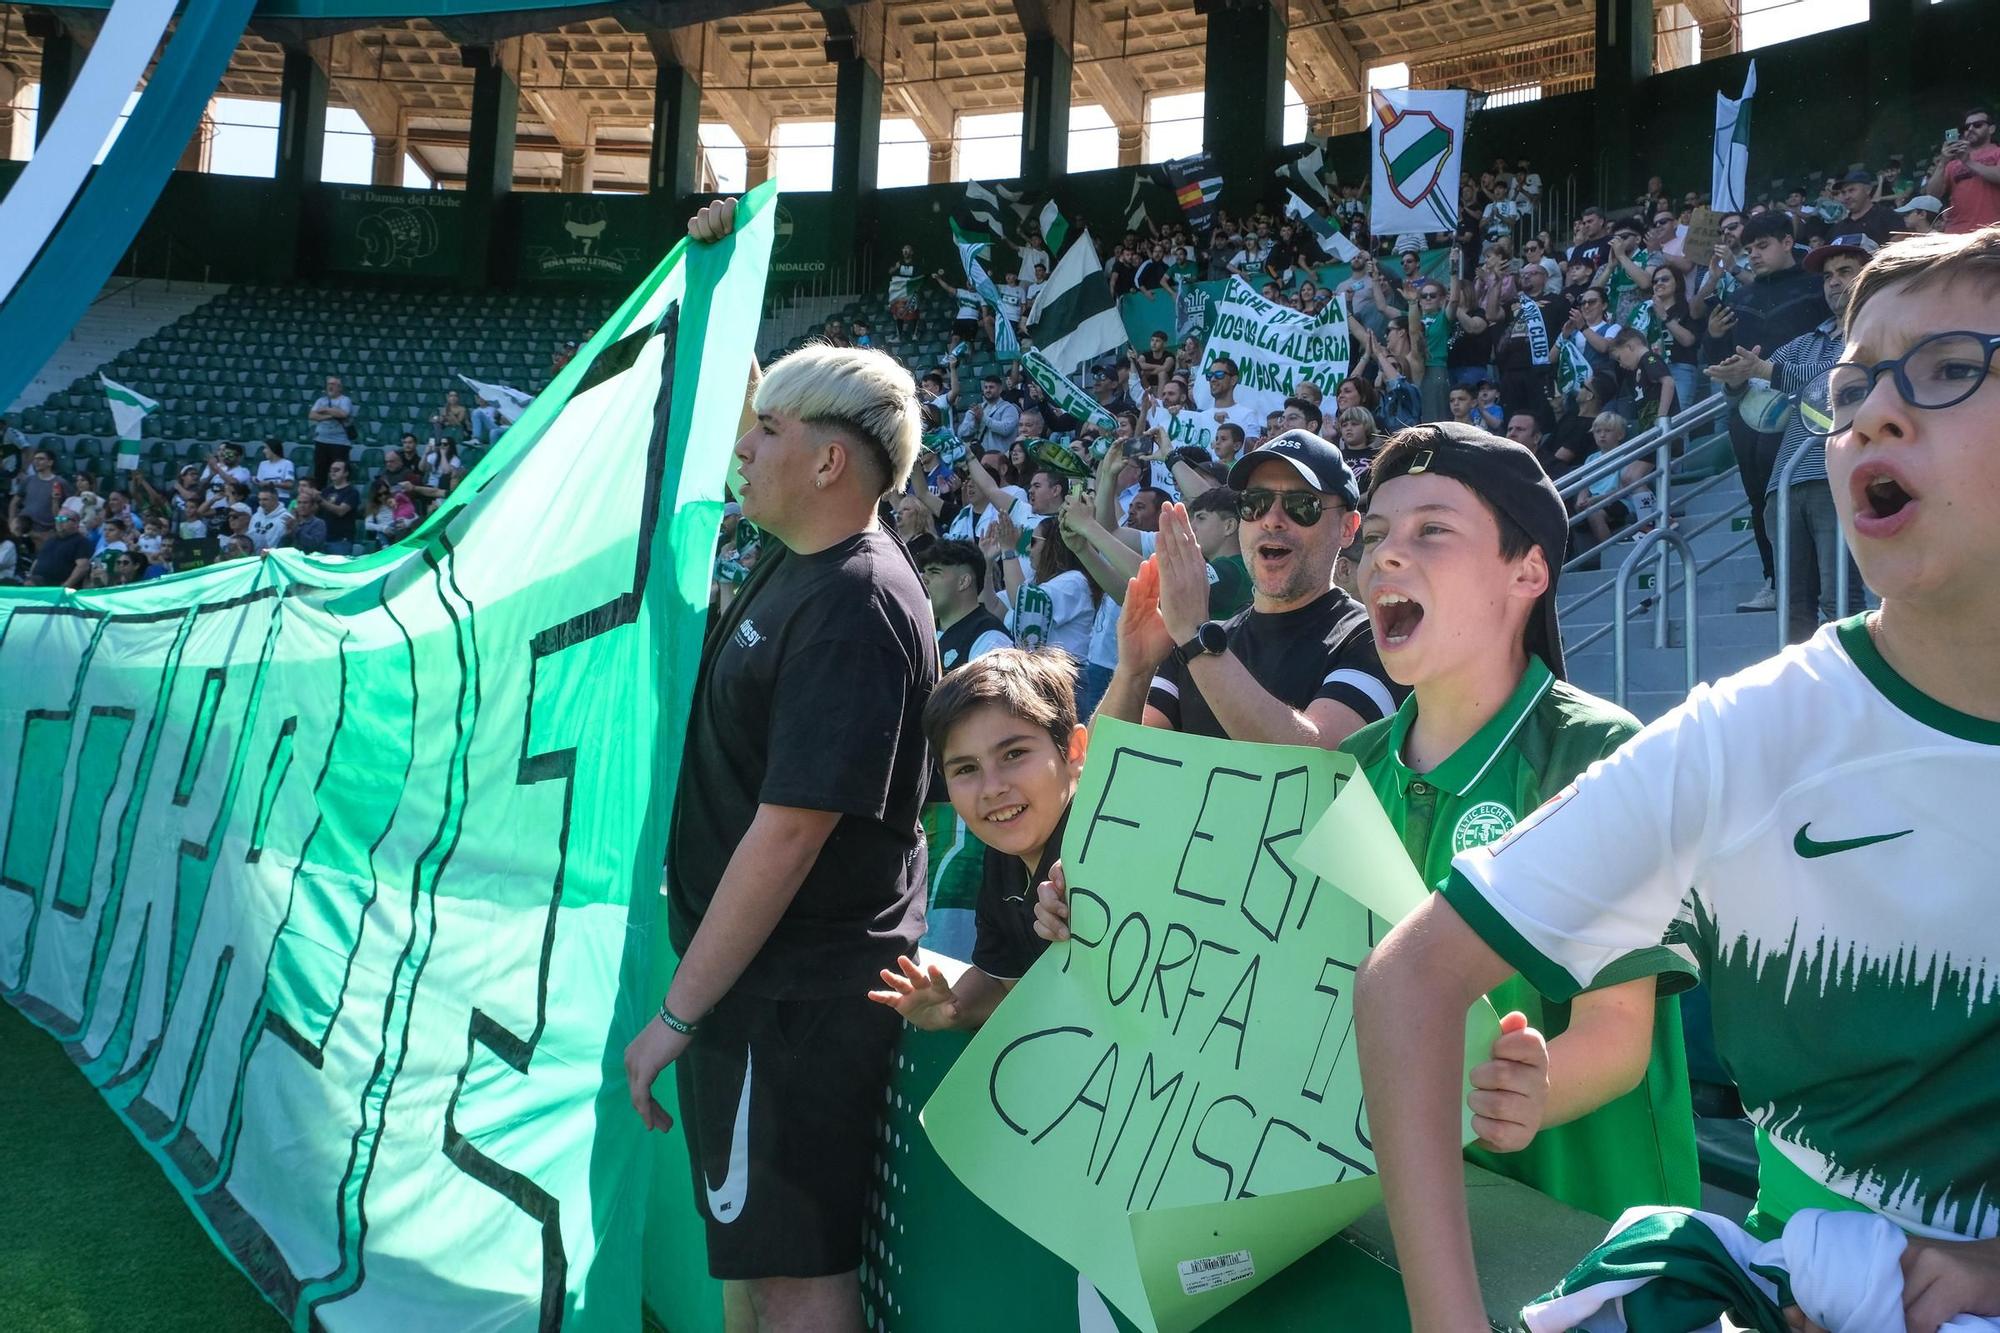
x=1316 y=460
x=1507 y=476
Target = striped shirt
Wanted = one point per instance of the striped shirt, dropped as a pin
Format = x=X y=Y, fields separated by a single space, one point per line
x=1794 y=366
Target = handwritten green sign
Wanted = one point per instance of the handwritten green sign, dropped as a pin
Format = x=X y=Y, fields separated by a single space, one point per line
x=1172 y=1102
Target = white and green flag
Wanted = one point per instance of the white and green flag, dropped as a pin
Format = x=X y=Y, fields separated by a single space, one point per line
x=1054 y=229
x=1732 y=147
x=129 y=410
x=511 y=402
x=1419 y=143
x=975 y=272
x=1074 y=318
x=1068 y=397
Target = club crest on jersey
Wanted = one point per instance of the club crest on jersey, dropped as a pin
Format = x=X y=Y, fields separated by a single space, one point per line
x=1489 y=821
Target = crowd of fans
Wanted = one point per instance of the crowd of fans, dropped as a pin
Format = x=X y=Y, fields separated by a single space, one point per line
x=87 y=530
x=1569 y=336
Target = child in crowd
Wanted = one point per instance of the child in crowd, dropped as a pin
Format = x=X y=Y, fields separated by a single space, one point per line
x=1462 y=545
x=1005 y=732
x=1823 y=819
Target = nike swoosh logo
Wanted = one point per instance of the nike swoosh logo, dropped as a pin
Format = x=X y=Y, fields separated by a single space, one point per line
x=1809 y=848
x=725 y=1204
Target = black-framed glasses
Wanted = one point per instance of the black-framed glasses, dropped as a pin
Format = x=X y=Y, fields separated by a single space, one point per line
x=1942 y=370
x=1301 y=507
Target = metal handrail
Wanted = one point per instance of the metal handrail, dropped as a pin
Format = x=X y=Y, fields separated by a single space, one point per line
x=1781 y=552
x=1674 y=586
x=1675 y=426
x=1662 y=537
x=1690 y=533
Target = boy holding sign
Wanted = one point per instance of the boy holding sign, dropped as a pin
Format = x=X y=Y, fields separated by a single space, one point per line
x=1005 y=732
x=1824 y=817
x=1461 y=546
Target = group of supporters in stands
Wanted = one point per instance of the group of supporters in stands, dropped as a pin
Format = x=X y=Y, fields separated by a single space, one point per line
x=1395 y=598
x=1569 y=345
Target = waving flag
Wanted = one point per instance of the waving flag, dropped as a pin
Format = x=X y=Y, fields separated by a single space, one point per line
x=1732 y=147
x=1305 y=175
x=1419 y=142
x=511 y=402
x=1065 y=393
x=976 y=220
x=1196 y=181
x=1075 y=318
x=1055 y=230
x=128 y=413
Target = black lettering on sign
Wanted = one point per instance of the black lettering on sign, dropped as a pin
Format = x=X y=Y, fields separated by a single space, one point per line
x=1267 y=895
x=1194 y=1146
x=1194 y=977
x=1107 y=1066
x=1233 y=1015
x=1168 y=960
x=1250 y=1173
x=1201 y=834
x=1097 y=816
x=1111 y=990
x=1000 y=1060
x=1155 y=1093
x=1335 y=979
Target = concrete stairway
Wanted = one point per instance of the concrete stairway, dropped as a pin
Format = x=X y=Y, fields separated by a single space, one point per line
x=1727 y=640
x=124 y=313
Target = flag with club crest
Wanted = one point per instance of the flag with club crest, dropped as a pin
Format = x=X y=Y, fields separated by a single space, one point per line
x=1196 y=181
x=1732 y=147
x=128 y=414
x=1418 y=146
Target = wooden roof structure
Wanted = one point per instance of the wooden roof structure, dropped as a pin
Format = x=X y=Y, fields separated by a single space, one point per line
x=586 y=85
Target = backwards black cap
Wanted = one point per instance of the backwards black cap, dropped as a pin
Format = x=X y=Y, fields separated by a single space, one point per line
x=1507 y=476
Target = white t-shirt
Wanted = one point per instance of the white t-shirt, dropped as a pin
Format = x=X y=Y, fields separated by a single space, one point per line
x=279 y=472
x=1825 y=836
x=1012 y=303
x=1056 y=614
x=968 y=525
x=1188 y=426
x=1031 y=256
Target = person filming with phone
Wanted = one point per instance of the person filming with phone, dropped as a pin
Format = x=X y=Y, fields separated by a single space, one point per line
x=1967 y=177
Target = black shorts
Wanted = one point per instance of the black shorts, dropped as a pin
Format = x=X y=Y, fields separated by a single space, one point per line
x=965 y=330
x=779 y=1100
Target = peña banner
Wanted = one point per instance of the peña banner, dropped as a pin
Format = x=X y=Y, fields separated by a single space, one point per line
x=338 y=877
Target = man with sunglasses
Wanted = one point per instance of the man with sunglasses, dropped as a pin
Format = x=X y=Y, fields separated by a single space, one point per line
x=1222 y=377
x=1298 y=667
x=1968 y=175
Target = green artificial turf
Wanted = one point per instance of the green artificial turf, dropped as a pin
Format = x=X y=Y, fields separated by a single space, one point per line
x=92 y=1237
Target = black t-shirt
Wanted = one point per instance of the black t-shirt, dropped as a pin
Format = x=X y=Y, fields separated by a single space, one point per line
x=811 y=694
x=57 y=558
x=1572 y=432
x=1877 y=224
x=1004 y=942
x=340 y=527
x=1323 y=650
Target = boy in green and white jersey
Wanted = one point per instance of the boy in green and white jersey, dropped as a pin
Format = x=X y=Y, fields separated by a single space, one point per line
x=1830 y=817
x=1461 y=547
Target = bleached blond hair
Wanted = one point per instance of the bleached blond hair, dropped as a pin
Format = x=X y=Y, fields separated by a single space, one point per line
x=858 y=391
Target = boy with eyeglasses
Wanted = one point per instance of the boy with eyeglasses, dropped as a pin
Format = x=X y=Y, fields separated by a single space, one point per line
x=1821 y=821
x=1296 y=668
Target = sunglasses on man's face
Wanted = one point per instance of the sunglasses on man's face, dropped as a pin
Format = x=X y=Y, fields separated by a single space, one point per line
x=1215 y=374
x=1977 y=124
x=1301 y=507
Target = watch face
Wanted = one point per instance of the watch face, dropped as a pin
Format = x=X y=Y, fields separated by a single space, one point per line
x=1213 y=636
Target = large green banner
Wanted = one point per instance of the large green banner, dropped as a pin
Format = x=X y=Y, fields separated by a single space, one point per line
x=585 y=237
x=1172 y=1101
x=339 y=877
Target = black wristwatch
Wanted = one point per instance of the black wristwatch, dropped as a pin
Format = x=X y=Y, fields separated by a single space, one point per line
x=1212 y=637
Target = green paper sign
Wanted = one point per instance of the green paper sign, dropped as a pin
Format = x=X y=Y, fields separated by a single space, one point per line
x=1172 y=1103
x=337 y=877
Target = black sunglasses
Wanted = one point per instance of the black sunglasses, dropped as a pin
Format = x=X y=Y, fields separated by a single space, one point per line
x=1301 y=507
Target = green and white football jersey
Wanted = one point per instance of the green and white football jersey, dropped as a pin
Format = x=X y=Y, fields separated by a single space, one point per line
x=1639 y=1148
x=1834 y=835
